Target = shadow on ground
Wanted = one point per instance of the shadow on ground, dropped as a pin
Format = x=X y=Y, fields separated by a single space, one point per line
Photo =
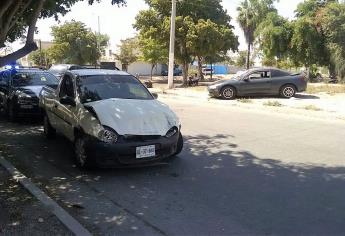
x=209 y=188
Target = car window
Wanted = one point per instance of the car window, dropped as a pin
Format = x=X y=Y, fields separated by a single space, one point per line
x=279 y=73
x=76 y=68
x=67 y=87
x=5 y=77
x=101 y=87
x=21 y=79
x=260 y=75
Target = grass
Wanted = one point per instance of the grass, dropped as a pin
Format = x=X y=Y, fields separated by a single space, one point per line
x=273 y=104
x=326 y=88
x=312 y=108
x=245 y=100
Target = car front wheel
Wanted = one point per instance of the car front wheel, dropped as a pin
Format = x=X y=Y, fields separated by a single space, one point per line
x=288 y=91
x=48 y=130
x=179 y=145
x=83 y=159
x=228 y=93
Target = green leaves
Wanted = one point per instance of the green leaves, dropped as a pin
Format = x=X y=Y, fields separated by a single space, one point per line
x=128 y=51
x=202 y=29
x=76 y=44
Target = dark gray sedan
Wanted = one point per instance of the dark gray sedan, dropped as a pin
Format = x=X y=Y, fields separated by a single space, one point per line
x=260 y=81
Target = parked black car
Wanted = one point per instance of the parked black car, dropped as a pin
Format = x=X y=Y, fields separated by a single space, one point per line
x=19 y=91
x=260 y=81
x=59 y=69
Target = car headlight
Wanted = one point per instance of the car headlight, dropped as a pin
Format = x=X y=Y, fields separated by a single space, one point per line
x=108 y=135
x=22 y=95
x=212 y=87
x=171 y=132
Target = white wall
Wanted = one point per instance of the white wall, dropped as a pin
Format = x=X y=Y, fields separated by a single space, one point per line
x=143 y=68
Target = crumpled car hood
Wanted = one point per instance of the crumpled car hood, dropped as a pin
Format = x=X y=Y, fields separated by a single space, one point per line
x=135 y=117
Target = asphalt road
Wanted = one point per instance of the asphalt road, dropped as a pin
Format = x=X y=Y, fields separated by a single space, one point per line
x=241 y=172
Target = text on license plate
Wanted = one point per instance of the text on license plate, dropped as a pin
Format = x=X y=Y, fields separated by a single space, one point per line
x=145 y=151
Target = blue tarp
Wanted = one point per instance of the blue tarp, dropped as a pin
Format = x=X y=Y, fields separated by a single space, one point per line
x=219 y=69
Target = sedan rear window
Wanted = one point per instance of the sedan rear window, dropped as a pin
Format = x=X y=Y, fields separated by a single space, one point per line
x=101 y=87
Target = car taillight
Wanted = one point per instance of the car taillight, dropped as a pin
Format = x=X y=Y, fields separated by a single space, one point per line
x=303 y=77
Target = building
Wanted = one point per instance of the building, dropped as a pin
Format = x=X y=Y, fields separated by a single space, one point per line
x=143 y=68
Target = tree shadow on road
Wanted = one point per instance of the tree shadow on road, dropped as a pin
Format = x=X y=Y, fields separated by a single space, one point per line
x=213 y=182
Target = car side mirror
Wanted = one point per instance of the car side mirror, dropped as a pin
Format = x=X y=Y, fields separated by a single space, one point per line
x=246 y=79
x=155 y=95
x=67 y=101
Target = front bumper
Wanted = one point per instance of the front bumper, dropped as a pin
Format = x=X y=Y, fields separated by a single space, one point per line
x=213 y=92
x=123 y=153
x=27 y=110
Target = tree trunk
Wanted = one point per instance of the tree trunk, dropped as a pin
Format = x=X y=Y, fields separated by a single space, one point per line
x=185 y=73
x=331 y=71
x=201 y=75
x=248 y=57
x=152 y=67
x=30 y=45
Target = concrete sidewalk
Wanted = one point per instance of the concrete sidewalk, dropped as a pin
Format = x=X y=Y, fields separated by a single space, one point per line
x=22 y=214
x=319 y=105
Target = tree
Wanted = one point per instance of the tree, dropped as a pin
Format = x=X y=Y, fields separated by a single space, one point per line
x=250 y=14
x=274 y=36
x=155 y=23
x=18 y=18
x=332 y=20
x=76 y=44
x=128 y=52
x=153 y=52
x=211 y=42
x=241 y=59
x=41 y=58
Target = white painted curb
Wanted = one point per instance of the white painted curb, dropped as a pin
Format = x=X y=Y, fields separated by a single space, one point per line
x=72 y=224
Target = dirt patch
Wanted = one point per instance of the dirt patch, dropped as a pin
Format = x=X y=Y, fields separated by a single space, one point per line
x=21 y=214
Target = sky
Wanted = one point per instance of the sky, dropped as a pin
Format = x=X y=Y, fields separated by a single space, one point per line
x=117 y=21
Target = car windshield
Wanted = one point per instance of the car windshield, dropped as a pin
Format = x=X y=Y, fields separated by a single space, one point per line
x=239 y=75
x=101 y=87
x=21 y=79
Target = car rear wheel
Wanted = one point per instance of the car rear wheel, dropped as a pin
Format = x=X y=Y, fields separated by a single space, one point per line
x=228 y=93
x=48 y=130
x=83 y=159
x=288 y=91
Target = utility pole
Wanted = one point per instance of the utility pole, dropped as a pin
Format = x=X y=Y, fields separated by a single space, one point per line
x=172 y=46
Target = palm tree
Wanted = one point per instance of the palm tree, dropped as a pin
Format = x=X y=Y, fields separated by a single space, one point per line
x=250 y=14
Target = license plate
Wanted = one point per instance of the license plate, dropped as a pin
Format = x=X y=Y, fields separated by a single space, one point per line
x=26 y=106
x=145 y=151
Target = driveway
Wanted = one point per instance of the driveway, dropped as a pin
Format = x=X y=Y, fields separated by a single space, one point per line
x=241 y=172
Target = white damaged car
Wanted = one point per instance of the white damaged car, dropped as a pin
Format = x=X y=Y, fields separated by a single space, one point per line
x=111 y=118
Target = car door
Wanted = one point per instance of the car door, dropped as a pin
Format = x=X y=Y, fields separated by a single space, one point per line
x=65 y=113
x=257 y=82
x=4 y=88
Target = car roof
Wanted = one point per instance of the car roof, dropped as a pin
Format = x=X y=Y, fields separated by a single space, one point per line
x=88 y=72
x=21 y=70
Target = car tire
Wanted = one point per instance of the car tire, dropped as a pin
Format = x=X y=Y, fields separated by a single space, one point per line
x=83 y=159
x=228 y=93
x=288 y=91
x=48 y=129
x=179 y=147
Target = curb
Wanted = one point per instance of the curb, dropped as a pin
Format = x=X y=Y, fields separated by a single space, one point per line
x=72 y=224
